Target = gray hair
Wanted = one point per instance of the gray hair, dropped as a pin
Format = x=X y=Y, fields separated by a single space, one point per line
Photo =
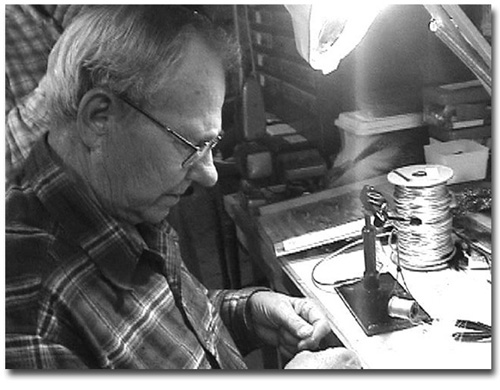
x=126 y=49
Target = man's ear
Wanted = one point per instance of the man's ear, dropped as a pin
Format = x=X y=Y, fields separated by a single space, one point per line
x=98 y=113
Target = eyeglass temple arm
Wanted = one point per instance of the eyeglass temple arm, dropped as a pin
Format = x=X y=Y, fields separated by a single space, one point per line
x=163 y=126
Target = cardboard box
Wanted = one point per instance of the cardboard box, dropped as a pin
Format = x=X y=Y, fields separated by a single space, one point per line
x=467 y=158
x=456 y=93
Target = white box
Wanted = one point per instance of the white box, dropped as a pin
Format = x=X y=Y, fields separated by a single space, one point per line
x=467 y=158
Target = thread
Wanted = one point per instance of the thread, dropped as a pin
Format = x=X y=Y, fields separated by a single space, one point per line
x=428 y=245
x=404 y=308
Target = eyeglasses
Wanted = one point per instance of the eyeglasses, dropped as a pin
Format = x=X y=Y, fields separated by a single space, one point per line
x=198 y=151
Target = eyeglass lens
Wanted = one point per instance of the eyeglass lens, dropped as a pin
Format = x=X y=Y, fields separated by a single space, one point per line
x=201 y=152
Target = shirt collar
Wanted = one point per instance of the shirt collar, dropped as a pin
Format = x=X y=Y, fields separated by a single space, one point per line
x=82 y=217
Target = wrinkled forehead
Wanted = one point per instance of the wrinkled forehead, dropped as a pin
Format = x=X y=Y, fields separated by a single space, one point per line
x=199 y=80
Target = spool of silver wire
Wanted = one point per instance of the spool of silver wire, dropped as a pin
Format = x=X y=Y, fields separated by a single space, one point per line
x=420 y=193
x=404 y=308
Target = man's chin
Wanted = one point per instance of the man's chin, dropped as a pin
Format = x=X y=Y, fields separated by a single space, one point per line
x=155 y=217
x=158 y=212
x=154 y=214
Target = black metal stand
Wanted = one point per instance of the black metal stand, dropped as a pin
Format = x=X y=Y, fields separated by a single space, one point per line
x=368 y=299
x=369 y=307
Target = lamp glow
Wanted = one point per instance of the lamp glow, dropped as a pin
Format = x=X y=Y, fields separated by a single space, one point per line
x=327 y=33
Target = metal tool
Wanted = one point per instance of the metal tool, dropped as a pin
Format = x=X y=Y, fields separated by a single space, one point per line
x=479 y=332
x=375 y=202
x=368 y=297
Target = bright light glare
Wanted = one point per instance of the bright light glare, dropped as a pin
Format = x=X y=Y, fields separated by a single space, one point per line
x=325 y=33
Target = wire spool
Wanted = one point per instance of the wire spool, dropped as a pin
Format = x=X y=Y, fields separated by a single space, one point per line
x=420 y=193
x=403 y=308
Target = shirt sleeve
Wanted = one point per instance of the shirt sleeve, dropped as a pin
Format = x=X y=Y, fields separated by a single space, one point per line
x=33 y=352
x=233 y=308
x=30 y=33
x=23 y=127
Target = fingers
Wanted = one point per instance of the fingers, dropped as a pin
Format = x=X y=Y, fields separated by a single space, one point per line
x=292 y=324
x=307 y=310
x=286 y=342
x=295 y=323
x=321 y=329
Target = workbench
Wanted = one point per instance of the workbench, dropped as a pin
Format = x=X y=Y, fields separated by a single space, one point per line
x=445 y=295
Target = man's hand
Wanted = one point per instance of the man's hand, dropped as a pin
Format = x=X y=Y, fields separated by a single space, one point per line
x=338 y=358
x=288 y=323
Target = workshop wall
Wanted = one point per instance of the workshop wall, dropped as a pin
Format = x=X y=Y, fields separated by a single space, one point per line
x=398 y=52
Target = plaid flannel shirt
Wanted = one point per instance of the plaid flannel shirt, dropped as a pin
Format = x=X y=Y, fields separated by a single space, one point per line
x=82 y=293
x=30 y=33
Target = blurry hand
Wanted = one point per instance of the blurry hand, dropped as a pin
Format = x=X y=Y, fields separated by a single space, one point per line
x=337 y=358
x=288 y=323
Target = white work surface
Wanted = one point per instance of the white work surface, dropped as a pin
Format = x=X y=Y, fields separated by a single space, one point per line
x=446 y=295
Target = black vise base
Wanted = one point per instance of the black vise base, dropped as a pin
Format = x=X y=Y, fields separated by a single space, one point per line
x=370 y=307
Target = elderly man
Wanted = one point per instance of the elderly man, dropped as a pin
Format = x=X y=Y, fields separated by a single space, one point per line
x=94 y=278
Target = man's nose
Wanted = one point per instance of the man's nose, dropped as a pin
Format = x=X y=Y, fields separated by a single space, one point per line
x=204 y=172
